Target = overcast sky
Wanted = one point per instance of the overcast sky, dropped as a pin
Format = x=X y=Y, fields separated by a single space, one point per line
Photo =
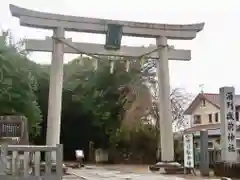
x=215 y=52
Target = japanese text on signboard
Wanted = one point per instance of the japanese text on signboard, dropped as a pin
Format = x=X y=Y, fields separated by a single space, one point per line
x=188 y=151
x=231 y=123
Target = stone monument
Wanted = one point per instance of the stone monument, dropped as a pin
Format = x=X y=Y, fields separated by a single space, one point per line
x=228 y=124
x=229 y=165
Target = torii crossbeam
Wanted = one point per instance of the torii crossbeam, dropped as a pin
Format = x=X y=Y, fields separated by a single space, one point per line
x=98 y=49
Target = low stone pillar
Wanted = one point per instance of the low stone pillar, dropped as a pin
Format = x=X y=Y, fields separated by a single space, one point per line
x=101 y=156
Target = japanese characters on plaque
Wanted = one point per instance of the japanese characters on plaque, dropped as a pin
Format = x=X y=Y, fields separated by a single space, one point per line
x=188 y=151
x=228 y=124
x=10 y=129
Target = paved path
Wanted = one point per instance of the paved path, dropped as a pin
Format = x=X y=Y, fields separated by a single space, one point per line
x=103 y=174
x=125 y=173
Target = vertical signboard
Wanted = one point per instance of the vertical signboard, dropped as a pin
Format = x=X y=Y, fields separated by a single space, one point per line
x=188 y=151
x=228 y=124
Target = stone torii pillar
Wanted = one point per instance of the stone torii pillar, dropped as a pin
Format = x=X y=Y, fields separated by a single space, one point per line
x=164 y=103
x=55 y=90
x=59 y=23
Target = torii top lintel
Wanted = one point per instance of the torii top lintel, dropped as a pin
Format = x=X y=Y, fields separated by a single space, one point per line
x=37 y=19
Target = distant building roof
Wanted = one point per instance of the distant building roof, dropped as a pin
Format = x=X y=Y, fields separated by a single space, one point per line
x=214 y=99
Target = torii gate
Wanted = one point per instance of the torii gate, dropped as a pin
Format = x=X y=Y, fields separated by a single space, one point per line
x=61 y=23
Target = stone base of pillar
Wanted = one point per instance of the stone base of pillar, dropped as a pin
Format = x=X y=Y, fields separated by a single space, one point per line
x=167 y=168
x=75 y=165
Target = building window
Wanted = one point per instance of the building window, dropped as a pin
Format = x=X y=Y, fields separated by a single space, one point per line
x=210 y=118
x=216 y=117
x=237 y=115
x=203 y=103
x=197 y=119
x=210 y=144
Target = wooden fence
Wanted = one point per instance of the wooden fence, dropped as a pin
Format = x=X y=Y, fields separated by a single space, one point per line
x=23 y=162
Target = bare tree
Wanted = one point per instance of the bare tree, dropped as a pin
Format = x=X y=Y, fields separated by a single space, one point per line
x=13 y=44
x=179 y=101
